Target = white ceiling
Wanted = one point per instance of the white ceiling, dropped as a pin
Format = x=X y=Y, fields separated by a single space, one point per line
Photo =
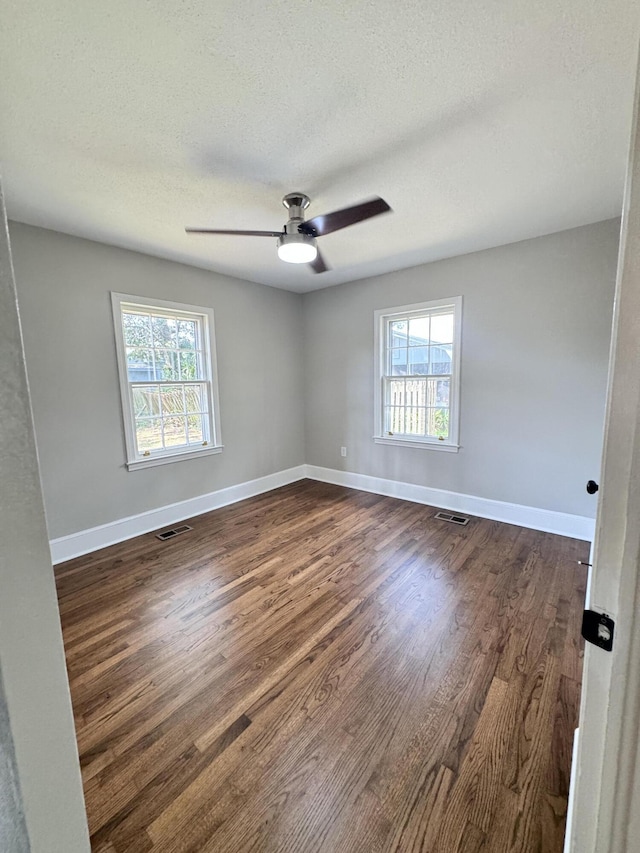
x=481 y=123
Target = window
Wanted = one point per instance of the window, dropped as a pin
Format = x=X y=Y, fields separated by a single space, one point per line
x=166 y=362
x=417 y=374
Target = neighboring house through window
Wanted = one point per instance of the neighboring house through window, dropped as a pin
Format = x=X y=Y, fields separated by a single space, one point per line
x=417 y=374
x=168 y=382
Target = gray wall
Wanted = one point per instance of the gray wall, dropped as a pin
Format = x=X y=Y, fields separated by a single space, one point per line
x=536 y=328
x=32 y=660
x=63 y=287
x=535 y=342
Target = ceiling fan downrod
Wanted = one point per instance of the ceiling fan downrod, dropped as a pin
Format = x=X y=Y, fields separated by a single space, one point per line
x=296 y=204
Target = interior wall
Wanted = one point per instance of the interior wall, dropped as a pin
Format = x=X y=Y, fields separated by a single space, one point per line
x=535 y=342
x=64 y=286
x=296 y=373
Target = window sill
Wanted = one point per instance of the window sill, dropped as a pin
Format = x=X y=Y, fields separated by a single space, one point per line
x=423 y=445
x=152 y=461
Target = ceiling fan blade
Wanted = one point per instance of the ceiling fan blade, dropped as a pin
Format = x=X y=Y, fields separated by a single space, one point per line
x=240 y=233
x=319 y=264
x=320 y=225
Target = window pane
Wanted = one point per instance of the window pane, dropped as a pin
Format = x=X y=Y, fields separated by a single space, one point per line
x=442 y=328
x=136 y=329
x=195 y=398
x=397 y=333
x=438 y=422
x=419 y=331
x=415 y=421
x=196 y=432
x=146 y=401
x=188 y=365
x=441 y=396
x=175 y=431
x=441 y=359
x=396 y=393
x=165 y=332
x=394 y=420
x=149 y=434
x=172 y=399
x=398 y=362
x=167 y=365
x=140 y=365
x=186 y=334
x=419 y=360
x=416 y=392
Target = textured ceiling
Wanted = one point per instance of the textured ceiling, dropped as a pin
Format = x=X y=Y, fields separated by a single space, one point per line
x=480 y=123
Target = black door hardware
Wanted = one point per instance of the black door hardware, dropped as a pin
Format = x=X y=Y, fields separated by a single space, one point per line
x=597 y=628
x=592 y=487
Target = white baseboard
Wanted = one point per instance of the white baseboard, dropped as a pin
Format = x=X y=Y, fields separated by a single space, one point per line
x=85 y=541
x=562 y=523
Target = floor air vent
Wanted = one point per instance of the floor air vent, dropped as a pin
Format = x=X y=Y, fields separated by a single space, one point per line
x=454 y=519
x=175 y=531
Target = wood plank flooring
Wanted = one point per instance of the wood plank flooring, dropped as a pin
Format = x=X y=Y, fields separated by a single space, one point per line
x=320 y=669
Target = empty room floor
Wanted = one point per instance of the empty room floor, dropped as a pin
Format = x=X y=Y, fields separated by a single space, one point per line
x=321 y=669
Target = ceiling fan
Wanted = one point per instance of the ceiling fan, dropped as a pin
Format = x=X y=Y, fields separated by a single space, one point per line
x=297 y=242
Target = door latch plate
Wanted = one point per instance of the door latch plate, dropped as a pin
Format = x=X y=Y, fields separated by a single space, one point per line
x=598 y=628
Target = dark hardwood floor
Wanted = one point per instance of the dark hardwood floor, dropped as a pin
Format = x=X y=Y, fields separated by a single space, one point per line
x=320 y=669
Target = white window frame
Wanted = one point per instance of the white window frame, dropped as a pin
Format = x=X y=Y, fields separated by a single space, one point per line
x=136 y=460
x=382 y=319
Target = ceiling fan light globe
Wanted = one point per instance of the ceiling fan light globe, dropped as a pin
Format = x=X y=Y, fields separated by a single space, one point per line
x=297 y=249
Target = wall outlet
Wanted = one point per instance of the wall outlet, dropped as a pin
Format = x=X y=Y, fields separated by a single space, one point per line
x=343 y=451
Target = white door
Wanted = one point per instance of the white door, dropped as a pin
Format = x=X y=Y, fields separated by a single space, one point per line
x=32 y=665
x=605 y=813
